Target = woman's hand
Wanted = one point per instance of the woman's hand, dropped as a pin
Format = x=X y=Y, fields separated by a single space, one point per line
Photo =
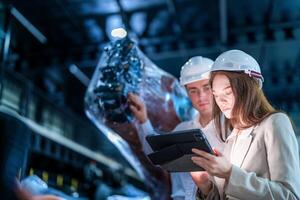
x=215 y=165
x=202 y=181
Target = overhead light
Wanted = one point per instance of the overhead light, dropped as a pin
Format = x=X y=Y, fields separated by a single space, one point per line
x=119 y=33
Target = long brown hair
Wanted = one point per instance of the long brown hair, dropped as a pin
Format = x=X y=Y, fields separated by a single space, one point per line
x=250 y=107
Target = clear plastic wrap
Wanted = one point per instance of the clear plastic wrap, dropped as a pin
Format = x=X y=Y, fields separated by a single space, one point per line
x=36 y=186
x=123 y=68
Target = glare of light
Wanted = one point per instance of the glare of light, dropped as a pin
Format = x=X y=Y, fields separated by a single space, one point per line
x=168 y=97
x=119 y=33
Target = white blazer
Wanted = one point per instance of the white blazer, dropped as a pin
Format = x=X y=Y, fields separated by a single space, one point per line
x=266 y=165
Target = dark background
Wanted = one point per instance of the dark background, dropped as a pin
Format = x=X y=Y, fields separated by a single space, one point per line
x=167 y=31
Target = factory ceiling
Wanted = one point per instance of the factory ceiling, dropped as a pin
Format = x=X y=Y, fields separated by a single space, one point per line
x=167 y=31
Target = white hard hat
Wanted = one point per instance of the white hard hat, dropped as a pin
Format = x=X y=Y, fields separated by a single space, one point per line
x=195 y=69
x=237 y=60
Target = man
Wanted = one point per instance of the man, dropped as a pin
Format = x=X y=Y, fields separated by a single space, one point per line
x=194 y=76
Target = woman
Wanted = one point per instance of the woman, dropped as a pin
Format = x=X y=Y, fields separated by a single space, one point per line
x=261 y=157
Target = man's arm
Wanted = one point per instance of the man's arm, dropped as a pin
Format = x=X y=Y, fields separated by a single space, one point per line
x=139 y=110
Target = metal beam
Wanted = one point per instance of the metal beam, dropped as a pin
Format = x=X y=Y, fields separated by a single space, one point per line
x=5 y=46
x=79 y=75
x=124 y=16
x=223 y=21
x=173 y=13
x=29 y=26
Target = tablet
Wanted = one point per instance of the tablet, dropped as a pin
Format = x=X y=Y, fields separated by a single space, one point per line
x=173 y=151
x=195 y=136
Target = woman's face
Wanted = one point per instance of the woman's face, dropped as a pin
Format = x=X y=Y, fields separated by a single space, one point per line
x=223 y=94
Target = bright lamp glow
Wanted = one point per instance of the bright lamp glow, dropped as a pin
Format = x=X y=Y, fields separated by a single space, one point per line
x=119 y=33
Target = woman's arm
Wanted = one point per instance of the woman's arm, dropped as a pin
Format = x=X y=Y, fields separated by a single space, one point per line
x=283 y=163
x=201 y=179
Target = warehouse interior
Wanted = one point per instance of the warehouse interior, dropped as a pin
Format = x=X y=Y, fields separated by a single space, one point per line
x=50 y=50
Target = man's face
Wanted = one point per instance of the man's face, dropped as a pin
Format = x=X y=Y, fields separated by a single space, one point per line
x=201 y=96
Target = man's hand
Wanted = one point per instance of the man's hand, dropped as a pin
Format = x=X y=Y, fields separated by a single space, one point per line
x=138 y=108
x=201 y=179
